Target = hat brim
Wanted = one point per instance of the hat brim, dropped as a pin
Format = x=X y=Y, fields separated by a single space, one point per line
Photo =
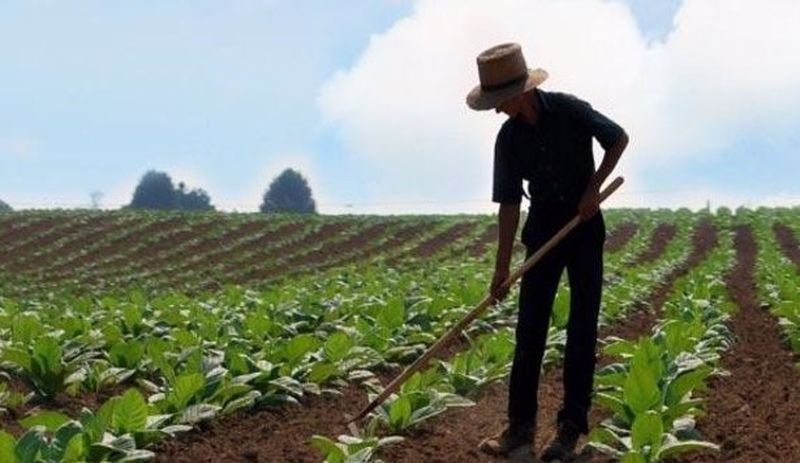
x=481 y=100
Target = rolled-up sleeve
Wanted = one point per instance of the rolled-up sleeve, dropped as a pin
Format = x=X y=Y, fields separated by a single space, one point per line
x=606 y=131
x=507 y=184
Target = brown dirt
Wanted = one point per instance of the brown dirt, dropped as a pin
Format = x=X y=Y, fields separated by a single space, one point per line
x=284 y=434
x=23 y=233
x=753 y=414
x=266 y=235
x=482 y=244
x=200 y=255
x=455 y=435
x=324 y=257
x=259 y=254
x=99 y=227
x=397 y=239
x=286 y=249
x=69 y=405
x=137 y=253
x=37 y=242
x=436 y=243
x=704 y=239
x=620 y=236
x=659 y=240
x=277 y=434
x=117 y=245
x=788 y=243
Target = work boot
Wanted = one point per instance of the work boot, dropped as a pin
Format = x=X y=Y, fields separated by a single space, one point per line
x=514 y=442
x=562 y=448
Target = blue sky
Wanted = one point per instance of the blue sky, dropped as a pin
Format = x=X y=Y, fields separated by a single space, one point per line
x=223 y=95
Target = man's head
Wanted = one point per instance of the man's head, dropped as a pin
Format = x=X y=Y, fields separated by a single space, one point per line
x=513 y=106
x=504 y=79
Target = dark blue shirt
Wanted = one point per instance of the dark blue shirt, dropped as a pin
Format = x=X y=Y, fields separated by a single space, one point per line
x=555 y=156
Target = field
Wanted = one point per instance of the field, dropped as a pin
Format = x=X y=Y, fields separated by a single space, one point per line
x=132 y=336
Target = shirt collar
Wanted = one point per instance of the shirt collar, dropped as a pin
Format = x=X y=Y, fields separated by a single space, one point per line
x=544 y=100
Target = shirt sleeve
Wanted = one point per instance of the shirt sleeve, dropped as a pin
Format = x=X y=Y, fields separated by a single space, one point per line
x=507 y=184
x=606 y=131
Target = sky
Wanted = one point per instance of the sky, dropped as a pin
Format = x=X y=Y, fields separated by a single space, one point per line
x=366 y=98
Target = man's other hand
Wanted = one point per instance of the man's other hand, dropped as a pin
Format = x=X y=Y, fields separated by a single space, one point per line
x=497 y=290
x=589 y=203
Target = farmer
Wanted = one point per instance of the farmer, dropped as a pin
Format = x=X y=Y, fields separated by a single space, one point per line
x=547 y=140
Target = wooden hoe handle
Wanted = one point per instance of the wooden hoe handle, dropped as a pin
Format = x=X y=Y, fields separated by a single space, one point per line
x=422 y=360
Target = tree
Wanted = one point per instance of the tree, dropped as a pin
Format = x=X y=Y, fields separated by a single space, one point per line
x=5 y=207
x=289 y=192
x=195 y=200
x=155 y=191
x=96 y=197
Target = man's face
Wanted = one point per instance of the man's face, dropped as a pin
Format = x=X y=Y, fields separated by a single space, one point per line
x=511 y=107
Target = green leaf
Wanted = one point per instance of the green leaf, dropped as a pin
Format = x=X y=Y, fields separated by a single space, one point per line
x=61 y=440
x=184 y=389
x=329 y=448
x=619 y=347
x=17 y=357
x=130 y=413
x=321 y=372
x=7 y=445
x=686 y=382
x=641 y=390
x=337 y=346
x=199 y=412
x=647 y=429
x=613 y=403
x=29 y=444
x=75 y=450
x=49 y=419
x=298 y=347
x=400 y=413
x=674 y=449
x=633 y=457
x=137 y=455
x=393 y=315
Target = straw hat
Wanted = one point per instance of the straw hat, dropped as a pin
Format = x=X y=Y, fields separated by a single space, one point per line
x=503 y=75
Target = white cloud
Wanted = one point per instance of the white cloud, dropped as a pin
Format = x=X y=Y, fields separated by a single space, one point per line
x=726 y=70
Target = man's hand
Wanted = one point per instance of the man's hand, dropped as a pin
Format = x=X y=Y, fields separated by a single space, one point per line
x=590 y=202
x=496 y=290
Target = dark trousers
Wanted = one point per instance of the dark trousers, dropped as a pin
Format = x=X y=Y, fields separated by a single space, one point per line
x=581 y=253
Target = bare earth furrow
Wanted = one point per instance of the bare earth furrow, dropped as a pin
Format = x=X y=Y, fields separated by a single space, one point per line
x=753 y=414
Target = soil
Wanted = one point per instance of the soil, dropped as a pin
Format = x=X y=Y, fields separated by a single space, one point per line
x=284 y=434
x=322 y=257
x=397 y=239
x=40 y=241
x=436 y=243
x=488 y=238
x=158 y=250
x=753 y=414
x=620 y=236
x=117 y=245
x=99 y=227
x=24 y=232
x=287 y=250
x=217 y=250
x=69 y=405
x=788 y=243
x=659 y=240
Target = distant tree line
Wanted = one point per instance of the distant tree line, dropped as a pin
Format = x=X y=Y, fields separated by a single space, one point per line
x=5 y=207
x=289 y=192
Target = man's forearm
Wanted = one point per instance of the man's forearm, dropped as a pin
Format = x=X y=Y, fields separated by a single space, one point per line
x=610 y=159
x=508 y=220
